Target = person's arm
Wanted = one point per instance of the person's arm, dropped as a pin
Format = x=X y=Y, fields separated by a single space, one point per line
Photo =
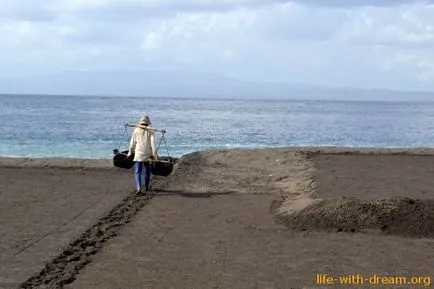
x=132 y=144
x=154 y=149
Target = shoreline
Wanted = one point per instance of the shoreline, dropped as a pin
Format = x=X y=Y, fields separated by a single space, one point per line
x=61 y=163
x=73 y=163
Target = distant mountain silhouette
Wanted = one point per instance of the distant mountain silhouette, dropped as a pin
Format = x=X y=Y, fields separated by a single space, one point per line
x=188 y=84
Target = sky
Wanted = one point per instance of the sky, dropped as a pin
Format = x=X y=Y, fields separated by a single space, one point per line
x=353 y=43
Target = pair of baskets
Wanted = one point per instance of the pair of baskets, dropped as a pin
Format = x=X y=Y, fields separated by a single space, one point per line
x=163 y=166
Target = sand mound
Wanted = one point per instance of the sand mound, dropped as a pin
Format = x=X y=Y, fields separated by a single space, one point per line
x=253 y=171
x=398 y=216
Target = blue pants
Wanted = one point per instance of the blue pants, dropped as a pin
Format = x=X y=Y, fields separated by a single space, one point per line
x=138 y=174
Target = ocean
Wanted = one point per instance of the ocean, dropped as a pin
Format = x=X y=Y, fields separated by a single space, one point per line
x=91 y=127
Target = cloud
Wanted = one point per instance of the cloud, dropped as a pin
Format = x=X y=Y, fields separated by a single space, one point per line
x=134 y=10
x=29 y=10
x=406 y=26
x=361 y=3
x=341 y=43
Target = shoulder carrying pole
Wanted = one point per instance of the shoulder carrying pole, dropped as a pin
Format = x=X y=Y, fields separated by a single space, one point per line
x=146 y=127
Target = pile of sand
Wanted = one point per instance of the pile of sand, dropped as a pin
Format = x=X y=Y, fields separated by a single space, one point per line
x=399 y=216
x=289 y=175
x=260 y=171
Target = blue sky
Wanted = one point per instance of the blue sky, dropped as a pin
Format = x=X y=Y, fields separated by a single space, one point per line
x=356 y=43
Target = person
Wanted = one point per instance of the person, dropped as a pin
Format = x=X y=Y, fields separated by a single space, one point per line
x=142 y=144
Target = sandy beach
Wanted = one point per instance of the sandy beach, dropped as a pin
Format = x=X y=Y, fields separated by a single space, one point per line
x=264 y=218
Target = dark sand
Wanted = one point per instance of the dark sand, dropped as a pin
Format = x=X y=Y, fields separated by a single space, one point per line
x=43 y=209
x=371 y=177
x=232 y=242
x=390 y=193
x=238 y=219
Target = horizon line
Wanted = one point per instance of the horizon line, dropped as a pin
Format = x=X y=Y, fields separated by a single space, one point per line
x=212 y=97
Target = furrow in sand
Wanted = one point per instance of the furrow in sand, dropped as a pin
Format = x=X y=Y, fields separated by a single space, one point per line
x=63 y=269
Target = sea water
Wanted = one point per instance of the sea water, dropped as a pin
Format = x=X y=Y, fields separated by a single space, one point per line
x=91 y=127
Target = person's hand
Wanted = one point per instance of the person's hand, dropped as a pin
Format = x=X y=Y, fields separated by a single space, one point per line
x=155 y=157
x=128 y=155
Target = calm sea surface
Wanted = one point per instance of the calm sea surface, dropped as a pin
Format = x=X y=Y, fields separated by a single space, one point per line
x=91 y=127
